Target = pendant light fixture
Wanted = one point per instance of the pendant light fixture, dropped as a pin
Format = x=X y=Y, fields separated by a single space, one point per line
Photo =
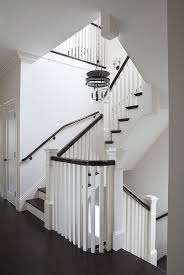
x=98 y=79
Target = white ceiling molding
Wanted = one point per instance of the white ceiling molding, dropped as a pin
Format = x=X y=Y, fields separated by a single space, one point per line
x=27 y=57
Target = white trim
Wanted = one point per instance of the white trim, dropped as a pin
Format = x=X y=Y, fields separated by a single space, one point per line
x=36 y=212
x=6 y=107
x=30 y=194
x=27 y=57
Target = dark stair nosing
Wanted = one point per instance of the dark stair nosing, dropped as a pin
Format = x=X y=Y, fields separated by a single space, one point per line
x=115 y=131
x=123 y=119
x=132 y=107
x=37 y=203
x=138 y=94
x=109 y=142
x=43 y=190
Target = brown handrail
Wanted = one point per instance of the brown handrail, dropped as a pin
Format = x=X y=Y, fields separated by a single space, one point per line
x=85 y=162
x=77 y=137
x=130 y=193
x=162 y=216
x=54 y=135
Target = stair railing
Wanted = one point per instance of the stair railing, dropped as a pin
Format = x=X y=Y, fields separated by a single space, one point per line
x=68 y=208
x=84 y=46
x=123 y=93
x=88 y=144
x=53 y=136
x=140 y=225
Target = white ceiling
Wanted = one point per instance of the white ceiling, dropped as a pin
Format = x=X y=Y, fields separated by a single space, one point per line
x=37 y=26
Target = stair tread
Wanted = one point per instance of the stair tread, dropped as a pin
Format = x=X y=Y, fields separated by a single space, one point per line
x=109 y=142
x=43 y=189
x=38 y=203
x=132 y=107
x=123 y=119
x=115 y=131
x=138 y=94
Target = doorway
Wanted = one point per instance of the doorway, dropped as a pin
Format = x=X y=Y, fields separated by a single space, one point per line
x=10 y=151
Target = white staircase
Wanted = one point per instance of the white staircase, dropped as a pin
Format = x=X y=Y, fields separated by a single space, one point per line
x=88 y=172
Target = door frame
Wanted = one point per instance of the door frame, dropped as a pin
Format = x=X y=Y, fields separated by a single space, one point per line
x=6 y=107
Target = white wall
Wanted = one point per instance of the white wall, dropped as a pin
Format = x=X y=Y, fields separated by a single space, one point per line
x=176 y=138
x=10 y=90
x=150 y=177
x=53 y=93
x=113 y=50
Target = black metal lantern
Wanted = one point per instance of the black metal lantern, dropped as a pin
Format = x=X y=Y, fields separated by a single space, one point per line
x=99 y=81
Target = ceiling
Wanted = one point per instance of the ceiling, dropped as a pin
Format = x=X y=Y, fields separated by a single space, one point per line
x=37 y=26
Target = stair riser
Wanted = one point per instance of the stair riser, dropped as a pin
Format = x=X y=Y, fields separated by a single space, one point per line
x=36 y=212
x=42 y=195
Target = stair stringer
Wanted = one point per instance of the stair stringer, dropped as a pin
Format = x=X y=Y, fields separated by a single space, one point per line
x=144 y=127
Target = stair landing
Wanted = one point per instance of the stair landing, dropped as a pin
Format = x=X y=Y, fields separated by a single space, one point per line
x=39 y=251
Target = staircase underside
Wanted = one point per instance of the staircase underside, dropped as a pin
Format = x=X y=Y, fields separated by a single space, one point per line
x=28 y=248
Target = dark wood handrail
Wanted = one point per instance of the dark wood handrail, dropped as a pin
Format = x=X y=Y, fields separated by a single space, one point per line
x=95 y=25
x=119 y=72
x=162 y=216
x=85 y=162
x=130 y=193
x=78 y=59
x=77 y=137
x=54 y=135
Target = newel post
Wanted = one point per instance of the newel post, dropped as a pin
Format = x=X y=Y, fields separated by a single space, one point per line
x=118 y=228
x=152 y=253
x=49 y=202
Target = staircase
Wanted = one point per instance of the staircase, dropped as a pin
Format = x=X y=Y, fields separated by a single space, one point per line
x=84 y=198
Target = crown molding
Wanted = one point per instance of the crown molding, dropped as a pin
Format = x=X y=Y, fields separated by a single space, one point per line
x=27 y=57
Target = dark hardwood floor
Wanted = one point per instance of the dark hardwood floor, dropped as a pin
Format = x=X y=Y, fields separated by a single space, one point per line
x=27 y=248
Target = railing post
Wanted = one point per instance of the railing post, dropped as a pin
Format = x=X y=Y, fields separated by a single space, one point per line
x=48 y=206
x=119 y=230
x=152 y=253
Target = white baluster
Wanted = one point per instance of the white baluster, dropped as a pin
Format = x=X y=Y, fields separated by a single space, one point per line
x=136 y=228
x=74 y=202
x=70 y=200
x=65 y=200
x=102 y=211
x=128 y=228
x=152 y=253
x=85 y=207
x=109 y=199
x=49 y=202
x=79 y=205
x=92 y=208
x=132 y=228
x=143 y=233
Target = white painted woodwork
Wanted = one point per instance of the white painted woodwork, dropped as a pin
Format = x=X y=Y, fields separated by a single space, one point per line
x=90 y=146
x=87 y=44
x=122 y=95
x=10 y=153
x=140 y=227
x=72 y=203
